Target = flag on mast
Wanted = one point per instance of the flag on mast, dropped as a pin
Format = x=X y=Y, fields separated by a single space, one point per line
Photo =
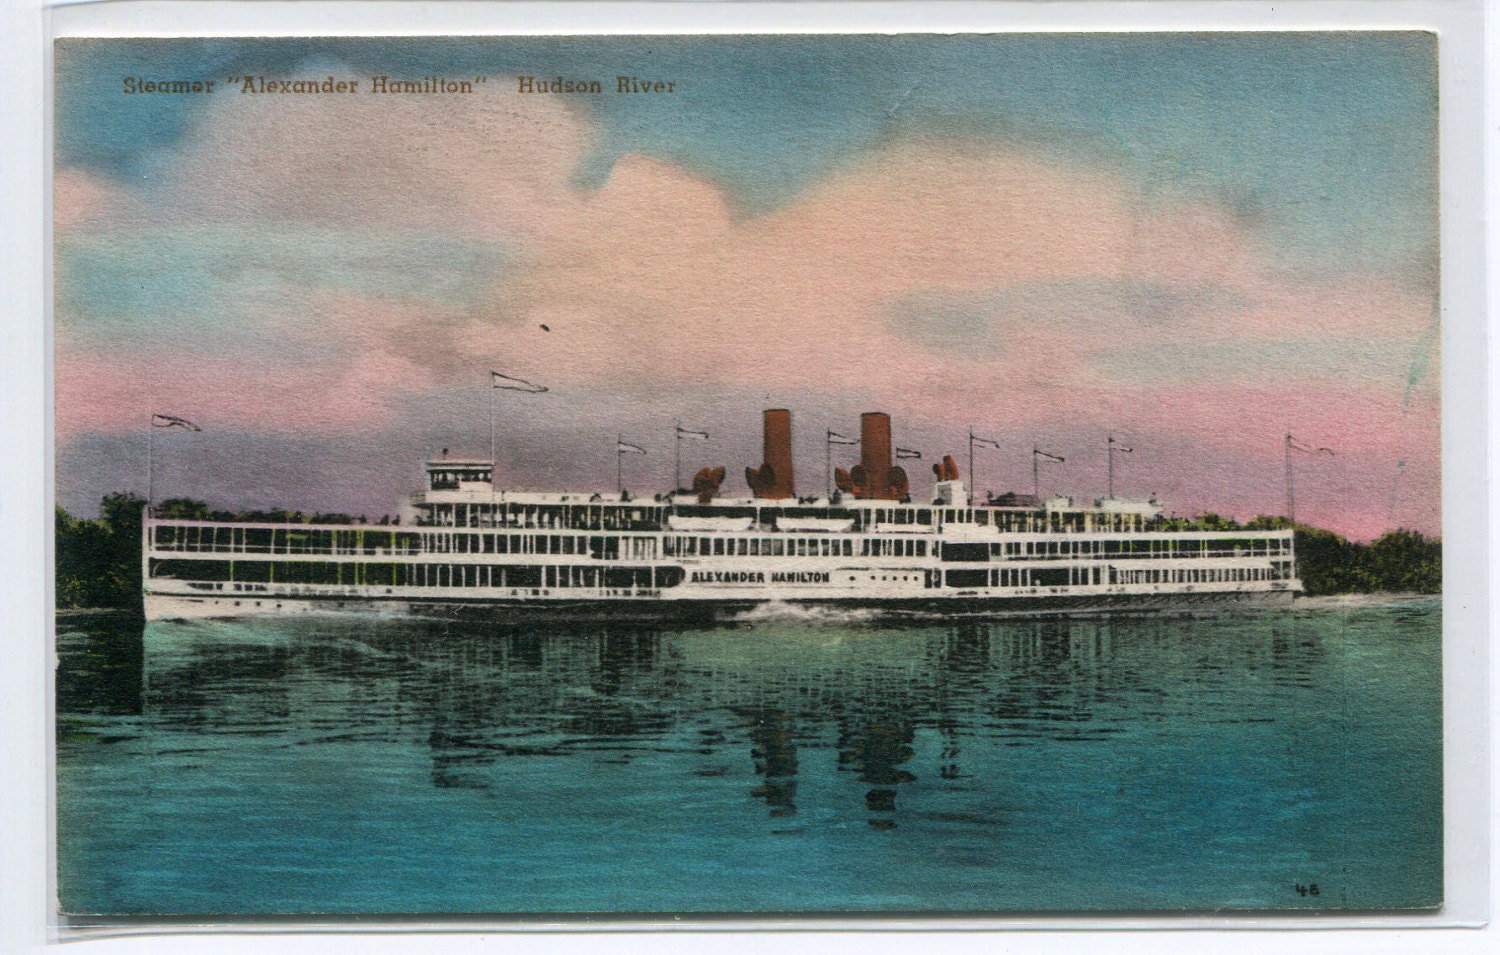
x=907 y=453
x=172 y=421
x=983 y=441
x=1055 y=457
x=683 y=433
x=509 y=383
x=1296 y=445
x=622 y=448
x=835 y=438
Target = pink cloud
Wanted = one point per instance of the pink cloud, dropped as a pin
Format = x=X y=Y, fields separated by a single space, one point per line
x=104 y=392
x=652 y=282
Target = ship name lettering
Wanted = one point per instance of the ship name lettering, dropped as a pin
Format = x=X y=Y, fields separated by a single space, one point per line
x=261 y=84
x=728 y=577
x=799 y=577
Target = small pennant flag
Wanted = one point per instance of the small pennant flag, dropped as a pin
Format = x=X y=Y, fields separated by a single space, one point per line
x=1055 y=457
x=683 y=433
x=835 y=438
x=976 y=439
x=622 y=448
x=172 y=421
x=1118 y=447
x=907 y=453
x=1299 y=446
x=507 y=383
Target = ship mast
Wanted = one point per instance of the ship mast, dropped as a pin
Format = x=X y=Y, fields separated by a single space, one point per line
x=1292 y=444
x=973 y=440
x=1123 y=450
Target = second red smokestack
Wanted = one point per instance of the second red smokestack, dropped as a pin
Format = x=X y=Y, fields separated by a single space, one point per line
x=875 y=451
x=773 y=479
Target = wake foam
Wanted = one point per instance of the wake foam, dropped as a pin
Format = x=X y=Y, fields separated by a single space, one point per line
x=779 y=611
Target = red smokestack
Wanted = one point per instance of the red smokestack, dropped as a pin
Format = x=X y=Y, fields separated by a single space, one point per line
x=874 y=478
x=875 y=449
x=773 y=479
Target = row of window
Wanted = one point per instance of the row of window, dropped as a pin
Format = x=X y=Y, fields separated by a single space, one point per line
x=582 y=517
x=1200 y=575
x=1142 y=547
x=486 y=575
x=235 y=540
x=1023 y=577
x=283 y=540
x=1076 y=576
x=417 y=575
x=643 y=547
x=792 y=547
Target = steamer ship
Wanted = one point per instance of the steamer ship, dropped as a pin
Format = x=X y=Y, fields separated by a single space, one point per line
x=463 y=547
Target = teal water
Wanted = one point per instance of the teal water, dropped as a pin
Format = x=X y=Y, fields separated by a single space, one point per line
x=357 y=766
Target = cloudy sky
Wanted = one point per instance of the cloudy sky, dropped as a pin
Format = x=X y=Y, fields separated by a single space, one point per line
x=1198 y=243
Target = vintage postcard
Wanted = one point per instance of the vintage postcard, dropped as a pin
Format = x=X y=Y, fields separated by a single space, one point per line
x=908 y=474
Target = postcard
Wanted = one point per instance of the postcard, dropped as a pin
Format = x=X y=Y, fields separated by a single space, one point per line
x=906 y=474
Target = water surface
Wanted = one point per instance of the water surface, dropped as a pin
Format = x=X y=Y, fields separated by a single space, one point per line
x=780 y=764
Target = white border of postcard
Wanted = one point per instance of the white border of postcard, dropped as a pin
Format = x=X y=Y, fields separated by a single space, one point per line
x=26 y=875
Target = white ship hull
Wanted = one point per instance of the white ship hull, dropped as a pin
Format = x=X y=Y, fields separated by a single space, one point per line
x=185 y=603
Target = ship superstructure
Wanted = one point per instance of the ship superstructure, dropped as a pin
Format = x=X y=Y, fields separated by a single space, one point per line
x=465 y=547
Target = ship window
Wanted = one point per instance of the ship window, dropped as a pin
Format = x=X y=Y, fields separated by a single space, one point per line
x=968 y=578
x=924 y=516
x=778 y=547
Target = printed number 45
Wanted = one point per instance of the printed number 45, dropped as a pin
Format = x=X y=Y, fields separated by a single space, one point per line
x=1306 y=889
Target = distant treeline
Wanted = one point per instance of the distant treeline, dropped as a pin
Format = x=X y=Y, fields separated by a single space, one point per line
x=1329 y=563
x=99 y=561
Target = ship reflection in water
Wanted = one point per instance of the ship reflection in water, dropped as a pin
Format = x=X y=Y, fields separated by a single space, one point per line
x=383 y=766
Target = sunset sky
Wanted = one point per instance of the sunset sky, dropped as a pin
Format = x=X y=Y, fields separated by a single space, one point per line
x=1198 y=243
